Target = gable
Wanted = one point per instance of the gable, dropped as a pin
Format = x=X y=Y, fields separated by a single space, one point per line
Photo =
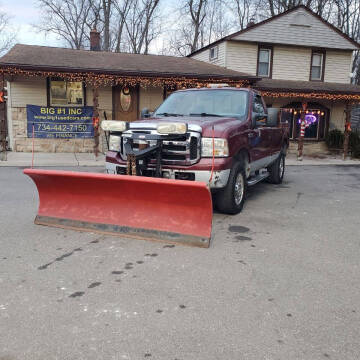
x=298 y=27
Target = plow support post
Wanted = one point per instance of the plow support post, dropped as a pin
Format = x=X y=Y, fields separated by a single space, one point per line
x=174 y=211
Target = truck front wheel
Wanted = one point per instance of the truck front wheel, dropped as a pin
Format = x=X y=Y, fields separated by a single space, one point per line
x=230 y=199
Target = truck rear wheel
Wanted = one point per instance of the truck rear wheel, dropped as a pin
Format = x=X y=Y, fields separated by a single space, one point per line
x=230 y=199
x=277 y=170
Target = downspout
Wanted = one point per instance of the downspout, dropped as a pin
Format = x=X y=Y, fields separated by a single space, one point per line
x=9 y=115
x=225 y=55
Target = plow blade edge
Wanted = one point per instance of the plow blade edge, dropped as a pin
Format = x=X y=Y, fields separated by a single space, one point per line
x=174 y=211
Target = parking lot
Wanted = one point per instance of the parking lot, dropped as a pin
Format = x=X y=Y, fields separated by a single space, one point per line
x=279 y=281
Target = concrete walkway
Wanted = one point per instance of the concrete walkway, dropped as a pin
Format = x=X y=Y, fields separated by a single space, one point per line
x=291 y=160
x=85 y=159
x=53 y=159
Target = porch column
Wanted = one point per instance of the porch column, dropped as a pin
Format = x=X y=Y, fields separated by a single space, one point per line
x=347 y=129
x=96 y=120
x=302 y=129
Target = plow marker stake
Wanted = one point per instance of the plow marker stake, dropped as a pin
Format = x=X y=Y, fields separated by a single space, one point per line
x=175 y=211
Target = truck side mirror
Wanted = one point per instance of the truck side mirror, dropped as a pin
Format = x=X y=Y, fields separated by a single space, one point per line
x=145 y=113
x=259 y=120
x=273 y=117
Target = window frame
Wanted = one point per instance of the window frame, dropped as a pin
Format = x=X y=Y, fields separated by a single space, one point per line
x=322 y=69
x=271 y=55
x=216 y=49
x=48 y=93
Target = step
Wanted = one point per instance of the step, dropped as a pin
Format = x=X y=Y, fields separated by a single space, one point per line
x=255 y=179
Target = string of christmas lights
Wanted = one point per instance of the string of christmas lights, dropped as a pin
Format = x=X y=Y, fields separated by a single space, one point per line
x=98 y=80
x=313 y=95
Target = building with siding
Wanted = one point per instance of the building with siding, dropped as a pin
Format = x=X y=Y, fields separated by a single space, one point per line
x=56 y=81
x=300 y=58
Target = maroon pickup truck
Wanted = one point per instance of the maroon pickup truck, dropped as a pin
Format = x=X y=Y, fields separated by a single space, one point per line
x=225 y=137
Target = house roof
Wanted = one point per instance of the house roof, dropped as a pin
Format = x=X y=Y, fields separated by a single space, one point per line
x=45 y=58
x=233 y=36
x=315 y=88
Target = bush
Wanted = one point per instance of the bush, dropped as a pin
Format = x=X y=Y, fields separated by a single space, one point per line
x=335 y=139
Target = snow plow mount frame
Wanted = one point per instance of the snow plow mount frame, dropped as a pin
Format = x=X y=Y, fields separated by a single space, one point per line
x=137 y=161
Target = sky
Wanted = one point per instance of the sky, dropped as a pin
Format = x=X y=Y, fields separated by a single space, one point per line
x=25 y=13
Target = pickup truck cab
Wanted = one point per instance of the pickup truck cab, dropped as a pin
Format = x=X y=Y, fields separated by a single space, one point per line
x=225 y=137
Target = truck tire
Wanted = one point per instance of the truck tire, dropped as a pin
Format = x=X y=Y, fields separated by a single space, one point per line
x=277 y=170
x=230 y=199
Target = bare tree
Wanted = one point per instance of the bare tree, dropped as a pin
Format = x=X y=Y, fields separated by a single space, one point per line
x=7 y=33
x=141 y=25
x=244 y=12
x=68 y=19
x=199 y=22
x=122 y=10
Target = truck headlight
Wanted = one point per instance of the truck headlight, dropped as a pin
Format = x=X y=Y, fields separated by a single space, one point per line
x=114 y=143
x=113 y=125
x=221 y=148
x=172 y=128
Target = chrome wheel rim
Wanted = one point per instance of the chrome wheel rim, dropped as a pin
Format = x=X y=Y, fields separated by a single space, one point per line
x=239 y=189
x=282 y=167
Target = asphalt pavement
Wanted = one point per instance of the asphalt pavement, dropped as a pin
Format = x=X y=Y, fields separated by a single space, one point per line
x=279 y=281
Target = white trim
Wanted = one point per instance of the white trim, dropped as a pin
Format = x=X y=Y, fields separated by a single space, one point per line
x=225 y=53
x=9 y=115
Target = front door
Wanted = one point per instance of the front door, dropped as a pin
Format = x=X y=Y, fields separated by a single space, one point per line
x=125 y=103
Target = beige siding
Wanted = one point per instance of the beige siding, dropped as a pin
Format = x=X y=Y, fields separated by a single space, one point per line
x=338 y=66
x=337 y=116
x=291 y=63
x=242 y=57
x=150 y=98
x=297 y=28
x=205 y=55
x=28 y=92
x=105 y=100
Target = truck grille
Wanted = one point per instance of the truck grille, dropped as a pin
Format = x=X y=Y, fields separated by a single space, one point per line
x=184 y=151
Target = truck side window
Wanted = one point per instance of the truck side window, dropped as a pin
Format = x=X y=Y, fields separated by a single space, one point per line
x=258 y=106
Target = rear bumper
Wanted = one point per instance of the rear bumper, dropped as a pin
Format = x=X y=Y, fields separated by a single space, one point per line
x=201 y=170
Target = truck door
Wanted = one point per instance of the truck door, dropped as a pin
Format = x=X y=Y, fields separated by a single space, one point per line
x=276 y=131
x=259 y=137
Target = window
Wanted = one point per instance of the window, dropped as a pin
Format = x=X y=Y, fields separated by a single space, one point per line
x=317 y=66
x=66 y=93
x=264 y=62
x=214 y=53
x=258 y=106
x=218 y=102
x=316 y=121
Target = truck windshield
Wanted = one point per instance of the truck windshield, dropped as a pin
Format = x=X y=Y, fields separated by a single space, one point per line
x=221 y=102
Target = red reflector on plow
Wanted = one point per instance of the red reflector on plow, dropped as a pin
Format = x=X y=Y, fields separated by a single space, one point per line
x=175 y=211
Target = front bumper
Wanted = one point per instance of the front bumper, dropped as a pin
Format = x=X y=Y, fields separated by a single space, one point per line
x=201 y=172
